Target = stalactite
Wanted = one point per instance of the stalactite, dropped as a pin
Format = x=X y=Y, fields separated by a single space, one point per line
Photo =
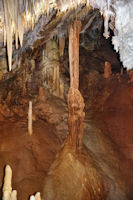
x=21 y=28
x=9 y=31
x=14 y=11
x=106 y=26
x=10 y=27
x=16 y=39
x=16 y=22
x=7 y=188
x=88 y=2
x=32 y=22
x=47 y=6
x=75 y=99
x=61 y=45
x=30 y=118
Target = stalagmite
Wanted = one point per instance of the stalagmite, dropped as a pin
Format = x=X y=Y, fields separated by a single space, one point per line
x=38 y=196
x=14 y=195
x=30 y=118
x=32 y=197
x=107 y=70
x=7 y=188
x=75 y=99
x=61 y=45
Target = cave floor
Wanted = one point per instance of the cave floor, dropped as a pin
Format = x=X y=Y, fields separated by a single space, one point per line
x=29 y=156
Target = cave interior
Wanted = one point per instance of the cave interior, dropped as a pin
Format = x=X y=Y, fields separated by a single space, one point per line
x=66 y=99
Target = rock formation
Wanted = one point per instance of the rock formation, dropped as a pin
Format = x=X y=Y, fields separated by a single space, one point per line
x=107 y=70
x=8 y=193
x=75 y=99
x=41 y=39
x=66 y=180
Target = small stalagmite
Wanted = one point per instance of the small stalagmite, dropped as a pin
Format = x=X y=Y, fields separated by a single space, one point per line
x=14 y=195
x=32 y=197
x=107 y=70
x=7 y=187
x=38 y=196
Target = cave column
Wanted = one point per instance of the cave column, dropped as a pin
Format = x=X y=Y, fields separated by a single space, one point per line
x=75 y=99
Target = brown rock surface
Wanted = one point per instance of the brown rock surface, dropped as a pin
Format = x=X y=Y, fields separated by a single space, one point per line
x=118 y=112
x=29 y=156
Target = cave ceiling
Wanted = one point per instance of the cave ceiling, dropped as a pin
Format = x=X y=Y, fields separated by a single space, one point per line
x=26 y=25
